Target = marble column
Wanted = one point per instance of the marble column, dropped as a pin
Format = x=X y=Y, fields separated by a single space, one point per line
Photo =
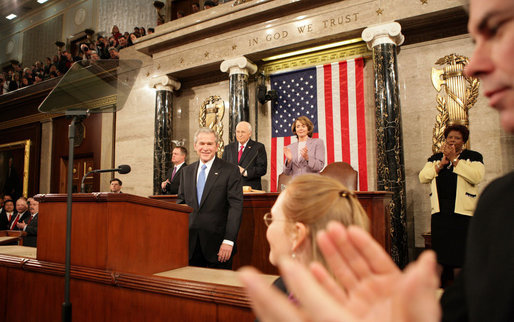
x=163 y=128
x=384 y=39
x=239 y=105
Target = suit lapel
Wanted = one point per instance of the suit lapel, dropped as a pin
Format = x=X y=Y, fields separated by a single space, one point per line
x=211 y=179
x=194 y=175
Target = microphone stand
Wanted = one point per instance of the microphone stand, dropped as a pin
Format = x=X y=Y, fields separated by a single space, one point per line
x=77 y=117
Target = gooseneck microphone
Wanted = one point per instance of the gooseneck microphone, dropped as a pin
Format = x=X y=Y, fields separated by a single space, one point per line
x=122 y=169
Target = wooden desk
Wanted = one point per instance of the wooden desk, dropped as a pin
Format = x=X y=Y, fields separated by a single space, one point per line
x=253 y=248
x=9 y=236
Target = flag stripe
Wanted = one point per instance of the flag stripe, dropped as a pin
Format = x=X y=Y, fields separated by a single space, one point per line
x=361 y=125
x=345 y=126
x=327 y=73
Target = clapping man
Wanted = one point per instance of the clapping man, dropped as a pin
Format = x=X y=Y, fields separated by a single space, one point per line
x=248 y=155
x=172 y=182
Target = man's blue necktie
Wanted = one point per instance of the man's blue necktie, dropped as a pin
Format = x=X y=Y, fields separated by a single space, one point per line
x=201 y=183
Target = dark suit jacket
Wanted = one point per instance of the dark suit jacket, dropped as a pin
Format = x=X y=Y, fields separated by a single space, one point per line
x=254 y=160
x=172 y=187
x=218 y=215
x=24 y=216
x=31 y=230
x=4 y=222
x=484 y=290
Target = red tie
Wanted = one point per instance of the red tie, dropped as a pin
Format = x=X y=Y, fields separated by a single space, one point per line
x=240 y=153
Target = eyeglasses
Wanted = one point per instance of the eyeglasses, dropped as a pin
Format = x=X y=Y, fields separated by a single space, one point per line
x=268 y=219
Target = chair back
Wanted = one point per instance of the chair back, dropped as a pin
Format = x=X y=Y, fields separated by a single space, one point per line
x=343 y=172
x=283 y=180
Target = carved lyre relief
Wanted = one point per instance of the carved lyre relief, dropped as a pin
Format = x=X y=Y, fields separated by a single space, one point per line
x=459 y=95
x=211 y=116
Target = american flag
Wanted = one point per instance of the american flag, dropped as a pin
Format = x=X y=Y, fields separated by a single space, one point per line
x=332 y=97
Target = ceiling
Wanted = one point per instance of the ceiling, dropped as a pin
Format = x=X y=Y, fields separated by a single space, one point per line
x=18 y=7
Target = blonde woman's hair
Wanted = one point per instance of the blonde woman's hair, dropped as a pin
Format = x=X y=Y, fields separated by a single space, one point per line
x=315 y=200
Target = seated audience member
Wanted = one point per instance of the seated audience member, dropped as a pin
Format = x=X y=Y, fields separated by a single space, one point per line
x=7 y=214
x=142 y=32
x=151 y=30
x=122 y=42
x=137 y=32
x=195 y=7
x=209 y=4
x=113 y=52
x=304 y=208
x=116 y=185
x=29 y=225
x=22 y=213
x=180 y=14
x=132 y=39
x=308 y=154
x=115 y=32
x=248 y=155
x=178 y=159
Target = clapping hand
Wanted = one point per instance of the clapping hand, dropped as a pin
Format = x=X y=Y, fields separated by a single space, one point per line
x=305 y=153
x=288 y=154
x=367 y=286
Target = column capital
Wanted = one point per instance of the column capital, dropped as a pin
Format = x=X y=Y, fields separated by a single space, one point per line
x=165 y=83
x=238 y=65
x=387 y=33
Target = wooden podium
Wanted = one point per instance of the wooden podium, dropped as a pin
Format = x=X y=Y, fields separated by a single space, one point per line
x=115 y=232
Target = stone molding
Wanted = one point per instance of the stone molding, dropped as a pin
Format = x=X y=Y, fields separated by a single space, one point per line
x=165 y=83
x=238 y=65
x=387 y=33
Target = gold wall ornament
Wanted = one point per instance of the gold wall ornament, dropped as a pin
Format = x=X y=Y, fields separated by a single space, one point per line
x=459 y=95
x=211 y=116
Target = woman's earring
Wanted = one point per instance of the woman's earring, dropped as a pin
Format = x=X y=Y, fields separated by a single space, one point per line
x=293 y=255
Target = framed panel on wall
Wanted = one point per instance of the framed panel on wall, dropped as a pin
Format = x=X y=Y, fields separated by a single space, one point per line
x=14 y=168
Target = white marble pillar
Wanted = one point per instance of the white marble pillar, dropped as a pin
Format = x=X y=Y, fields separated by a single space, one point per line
x=239 y=69
x=163 y=128
x=384 y=39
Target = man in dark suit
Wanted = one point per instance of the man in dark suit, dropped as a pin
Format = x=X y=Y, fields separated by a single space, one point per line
x=212 y=187
x=249 y=155
x=22 y=213
x=29 y=225
x=178 y=158
x=6 y=214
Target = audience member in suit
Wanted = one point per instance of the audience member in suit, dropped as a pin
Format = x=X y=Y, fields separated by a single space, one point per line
x=178 y=158
x=6 y=214
x=248 y=154
x=3 y=199
x=116 y=185
x=483 y=291
x=22 y=213
x=212 y=187
x=308 y=154
x=29 y=225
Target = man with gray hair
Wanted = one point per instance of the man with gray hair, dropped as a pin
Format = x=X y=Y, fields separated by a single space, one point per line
x=212 y=187
x=248 y=155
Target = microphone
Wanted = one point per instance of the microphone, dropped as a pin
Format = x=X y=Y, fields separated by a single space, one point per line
x=122 y=169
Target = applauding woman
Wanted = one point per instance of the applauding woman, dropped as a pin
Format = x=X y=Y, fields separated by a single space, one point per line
x=453 y=174
x=308 y=154
x=304 y=208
